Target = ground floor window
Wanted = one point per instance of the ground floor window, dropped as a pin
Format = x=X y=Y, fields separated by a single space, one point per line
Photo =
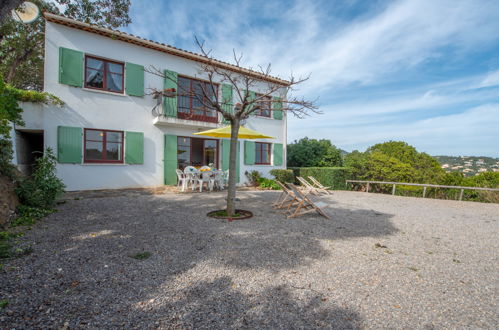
x=196 y=152
x=262 y=153
x=103 y=146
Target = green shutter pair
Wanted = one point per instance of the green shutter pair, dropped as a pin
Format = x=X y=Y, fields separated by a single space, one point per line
x=70 y=145
x=226 y=157
x=250 y=150
x=71 y=65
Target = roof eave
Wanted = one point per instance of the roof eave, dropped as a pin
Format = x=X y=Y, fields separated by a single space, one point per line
x=122 y=36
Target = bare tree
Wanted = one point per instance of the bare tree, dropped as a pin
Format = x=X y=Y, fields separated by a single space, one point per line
x=245 y=104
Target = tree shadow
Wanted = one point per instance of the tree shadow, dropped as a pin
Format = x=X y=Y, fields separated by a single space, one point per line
x=218 y=303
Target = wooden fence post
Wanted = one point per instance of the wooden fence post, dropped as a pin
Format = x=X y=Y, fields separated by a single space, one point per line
x=393 y=189
x=367 y=187
x=461 y=195
x=424 y=192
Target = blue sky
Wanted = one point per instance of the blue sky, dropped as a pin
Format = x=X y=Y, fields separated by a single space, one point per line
x=421 y=71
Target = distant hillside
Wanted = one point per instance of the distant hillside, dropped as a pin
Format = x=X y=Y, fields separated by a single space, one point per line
x=468 y=165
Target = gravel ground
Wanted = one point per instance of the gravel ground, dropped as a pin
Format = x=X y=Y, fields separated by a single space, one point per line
x=382 y=262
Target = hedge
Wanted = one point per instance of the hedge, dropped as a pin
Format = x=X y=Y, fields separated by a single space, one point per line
x=333 y=177
x=283 y=175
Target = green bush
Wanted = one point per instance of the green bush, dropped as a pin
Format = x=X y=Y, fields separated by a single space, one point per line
x=41 y=189
x=283 y=175
x=268 y=184
x=333 y=177
x=253 y=177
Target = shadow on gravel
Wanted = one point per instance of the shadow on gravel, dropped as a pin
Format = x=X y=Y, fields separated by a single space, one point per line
x=81 y=270
x=220 y=304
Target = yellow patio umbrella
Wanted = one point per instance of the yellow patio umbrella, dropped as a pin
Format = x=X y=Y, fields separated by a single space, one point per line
x=244 y=133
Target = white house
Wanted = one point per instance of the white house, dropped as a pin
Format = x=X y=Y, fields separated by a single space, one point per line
x=112 y=134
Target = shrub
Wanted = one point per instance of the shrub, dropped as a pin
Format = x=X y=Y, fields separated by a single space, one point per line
x=253 y=177
x=42 y=188
x=283 y=175
x=333 y=177
x=268 y=184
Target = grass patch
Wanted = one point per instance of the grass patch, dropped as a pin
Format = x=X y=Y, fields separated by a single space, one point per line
x=142 y=255
x=28 y=215
x=3 y=303
x=456 y=261
x=414 y=269
x=379 y=246
x=223 y=213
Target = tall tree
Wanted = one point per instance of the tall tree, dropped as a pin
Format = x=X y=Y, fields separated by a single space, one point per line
x=311 y=152
x=246 y=101
x=22 y=45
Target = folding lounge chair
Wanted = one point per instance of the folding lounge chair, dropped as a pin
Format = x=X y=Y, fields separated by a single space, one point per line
x=319 y=185
x=286 y=198
x=305 y=204
x=307 y=186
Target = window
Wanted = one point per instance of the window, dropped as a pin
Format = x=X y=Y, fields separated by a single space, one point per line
x=192 y=100
x=265 y=106
x=103 y=74
x=103 y=146
x=262 y=151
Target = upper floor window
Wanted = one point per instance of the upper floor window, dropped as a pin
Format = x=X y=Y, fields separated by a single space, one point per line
x=193 y=97
x=103 y=146
x=104 y=74
x=265 y=106
x=262 y=153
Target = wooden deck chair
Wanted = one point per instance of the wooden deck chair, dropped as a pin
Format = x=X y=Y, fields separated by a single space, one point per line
x=305 y=204
x=319 y=186
x=286 y=198
x=307 y=186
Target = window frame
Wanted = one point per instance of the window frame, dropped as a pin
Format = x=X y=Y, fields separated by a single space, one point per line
x=190 y=115
x=104 y=145
x=104 y=88
x=268 y=100
x=259 y=151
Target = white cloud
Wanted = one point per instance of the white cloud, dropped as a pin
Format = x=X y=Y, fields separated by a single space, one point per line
x=491 y=79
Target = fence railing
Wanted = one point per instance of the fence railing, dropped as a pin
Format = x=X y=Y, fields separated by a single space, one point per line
x=424 y=185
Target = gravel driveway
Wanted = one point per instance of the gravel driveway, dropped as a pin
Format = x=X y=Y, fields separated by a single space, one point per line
x=382 y=262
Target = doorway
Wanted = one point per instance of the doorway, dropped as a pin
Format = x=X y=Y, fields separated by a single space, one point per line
x=29 y=147
x=196 y=152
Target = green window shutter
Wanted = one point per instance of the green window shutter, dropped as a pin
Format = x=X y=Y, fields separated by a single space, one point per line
x=70 y=67
x=134 y=84
x=227 y=98
x=134 y=147
x=277 y=110
x=226 y=156
x=170 y=159
x=170 y=103
x=278 y=154
x=252 y=97
x=69 y=144
x=249 y=152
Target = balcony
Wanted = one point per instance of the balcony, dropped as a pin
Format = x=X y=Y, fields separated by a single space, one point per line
x=185 y=122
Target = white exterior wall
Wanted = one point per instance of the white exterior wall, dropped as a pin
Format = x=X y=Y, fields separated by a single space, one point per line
x=95 y=109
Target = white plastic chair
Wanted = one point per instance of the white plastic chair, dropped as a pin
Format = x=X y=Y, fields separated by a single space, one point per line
x=205 y=168
x=182 y=179
x=205 y=177
x=192 y=176
x=219 y=179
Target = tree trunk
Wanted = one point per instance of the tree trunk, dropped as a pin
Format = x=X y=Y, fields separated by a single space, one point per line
x=7 y=6
x=231 y=193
